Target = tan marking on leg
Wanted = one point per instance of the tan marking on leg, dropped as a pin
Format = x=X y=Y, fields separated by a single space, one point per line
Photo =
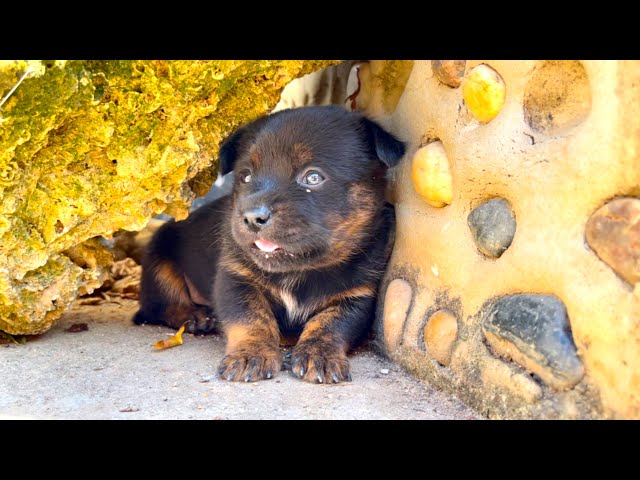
x=314 y=327
x=321 y=356
x=252 y=351
x=237 y=334
x=172 y=283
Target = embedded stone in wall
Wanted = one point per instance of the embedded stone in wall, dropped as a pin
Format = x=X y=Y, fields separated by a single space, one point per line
x=613 y=232
x=440 y=334
x=493 y=226
x=397 y=301
x=533 y=330
x=449 y=72
x=431 y=174
x=557 y=96
x=484 y=93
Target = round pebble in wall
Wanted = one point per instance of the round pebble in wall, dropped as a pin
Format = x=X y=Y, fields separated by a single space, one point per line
x=440 y=334
x=493 y=226
x=484 y=93
x=449 y=72
x=397 y=301
x=431 y=175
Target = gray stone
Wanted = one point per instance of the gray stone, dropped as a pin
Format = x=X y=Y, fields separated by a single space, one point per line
x=493 y=226
x=533 y=330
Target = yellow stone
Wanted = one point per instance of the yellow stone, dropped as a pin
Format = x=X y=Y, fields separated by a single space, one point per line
x=440 y=333
x=484 y=93
x=431 y=175
x=397 y=301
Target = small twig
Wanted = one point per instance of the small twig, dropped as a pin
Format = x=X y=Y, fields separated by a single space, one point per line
x=15 y=86
x=9 y=337
x=353 y=97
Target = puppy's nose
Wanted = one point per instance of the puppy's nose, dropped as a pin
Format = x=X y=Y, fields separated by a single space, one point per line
x=257 y=217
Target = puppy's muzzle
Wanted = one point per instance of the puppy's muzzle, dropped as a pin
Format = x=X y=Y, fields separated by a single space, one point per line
x=256 y=218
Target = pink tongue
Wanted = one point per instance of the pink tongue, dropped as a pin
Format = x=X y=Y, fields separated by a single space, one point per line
x=266 y=246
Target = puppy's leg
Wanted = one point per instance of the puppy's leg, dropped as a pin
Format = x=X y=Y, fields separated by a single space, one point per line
x=165 y=300
x=166 y=297
x=253 y=337
x=321 y=353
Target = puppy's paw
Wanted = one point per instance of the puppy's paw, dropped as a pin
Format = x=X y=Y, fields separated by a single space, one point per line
x=320 y=364
x=250 y=364
x=201 y=320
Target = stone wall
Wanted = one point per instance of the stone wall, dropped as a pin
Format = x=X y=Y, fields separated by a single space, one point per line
x=514 y=281
x=514 y=278
x=91 y=147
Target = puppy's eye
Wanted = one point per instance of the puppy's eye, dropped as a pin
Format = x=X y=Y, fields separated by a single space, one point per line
x=313 y=178
x=245 y=175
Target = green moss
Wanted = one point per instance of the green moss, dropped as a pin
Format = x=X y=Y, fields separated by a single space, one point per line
x=90 y=147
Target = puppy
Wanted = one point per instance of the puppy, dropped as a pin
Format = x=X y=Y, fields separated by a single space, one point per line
x=297 y=249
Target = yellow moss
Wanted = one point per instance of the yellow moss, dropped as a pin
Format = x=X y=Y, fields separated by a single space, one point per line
x=90 y=147
x=393 y=77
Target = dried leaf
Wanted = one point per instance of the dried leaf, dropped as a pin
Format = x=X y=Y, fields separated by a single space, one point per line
x=171 y=341
x=125 y=268
x=126 y=285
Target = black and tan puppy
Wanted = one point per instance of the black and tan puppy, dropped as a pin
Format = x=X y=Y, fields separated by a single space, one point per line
x=298 y=248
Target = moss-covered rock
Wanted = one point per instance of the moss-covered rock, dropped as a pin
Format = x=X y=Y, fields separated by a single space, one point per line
x=91 y=147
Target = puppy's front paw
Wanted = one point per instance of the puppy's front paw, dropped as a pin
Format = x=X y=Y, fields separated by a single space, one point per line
x=320 y=364
x=250 y=364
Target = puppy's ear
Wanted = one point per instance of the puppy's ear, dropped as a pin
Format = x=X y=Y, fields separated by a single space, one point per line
x=229 y=152
x=231 y=147
x=387 y=148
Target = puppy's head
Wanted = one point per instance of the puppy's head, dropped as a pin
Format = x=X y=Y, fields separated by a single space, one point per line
x=308 y=185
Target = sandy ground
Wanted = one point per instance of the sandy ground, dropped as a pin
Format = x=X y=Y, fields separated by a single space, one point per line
x=111 y=371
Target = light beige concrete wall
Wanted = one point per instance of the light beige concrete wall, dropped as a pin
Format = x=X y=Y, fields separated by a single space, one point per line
x=557 y=143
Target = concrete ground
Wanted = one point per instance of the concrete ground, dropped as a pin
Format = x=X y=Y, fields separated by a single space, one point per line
x=111 y=371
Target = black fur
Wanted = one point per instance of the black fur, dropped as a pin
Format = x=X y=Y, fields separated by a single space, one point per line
x=334 y=241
